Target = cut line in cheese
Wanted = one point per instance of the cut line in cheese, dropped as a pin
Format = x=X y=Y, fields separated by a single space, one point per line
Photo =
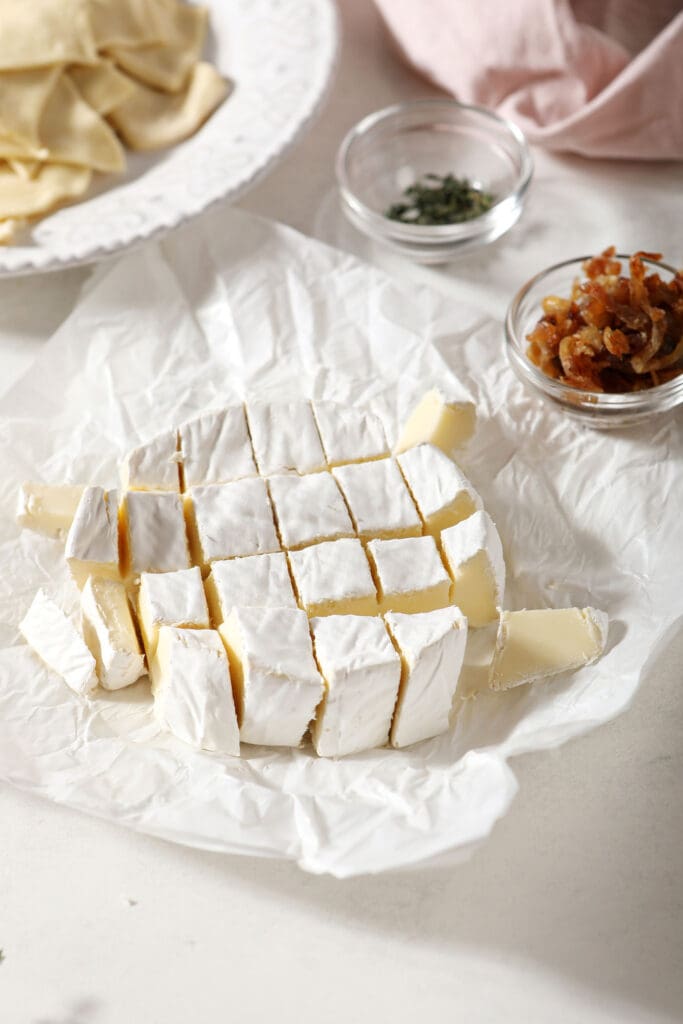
x=409 y=574
x=334 y=578
x=442 y=493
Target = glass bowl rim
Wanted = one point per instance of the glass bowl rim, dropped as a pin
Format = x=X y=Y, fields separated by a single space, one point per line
x=592 y=401
x=431 y=232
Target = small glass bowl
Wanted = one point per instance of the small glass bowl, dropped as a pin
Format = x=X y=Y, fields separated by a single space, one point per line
x=391 y=149
x=596 y=409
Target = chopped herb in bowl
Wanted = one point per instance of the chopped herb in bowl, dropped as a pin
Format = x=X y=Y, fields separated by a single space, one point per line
x=440 y=199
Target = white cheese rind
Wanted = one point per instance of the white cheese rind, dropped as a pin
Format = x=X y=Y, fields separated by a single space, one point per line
x=259 y=581
x=216 y=447
x=285 y=437
x=334 y=574
x=309 y=509
x=152 y=466
x=534 y=644
x=231 y=520
x=48 y=508
x=109 y=632
x=171 y=599
x=409 y=569
x=443 y=493
x=279 y=686
x=445 y=421
x=432 y=647
x=474 y=555
x=56 y=640
x=92 y=545
x=192 y=690
x=349 y=434
x=378 y=498
x=157 y=541
x=362 y=672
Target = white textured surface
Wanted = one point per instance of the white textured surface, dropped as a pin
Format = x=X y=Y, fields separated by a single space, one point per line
x=573 y=842
x=260 y=581
x=192 y=691
x=93 y=536
x=216 y=447
x=407 y=564
x=378 y=498
x=152 y=466
x=432 y=646
x=281 y=683
x=285 y=437
x=109 y=632
x=156 y=532
x=336 y=570
x=171 y=599
x=273 y=100
x=234 y=519
x=434 y=480
x=349 y=434
x=362 y=672
x=54 y=638
x=466 y=539
x=308 y=508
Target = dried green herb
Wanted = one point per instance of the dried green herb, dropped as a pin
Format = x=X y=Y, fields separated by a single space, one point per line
x=440 y=199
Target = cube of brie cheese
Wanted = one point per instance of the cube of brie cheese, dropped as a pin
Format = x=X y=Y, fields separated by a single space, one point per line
x=532 y=645
x=92 y=545
x=192 y=690
x=474 y=556
x=443 y=493
x=309 y=509
x=334 y=578
x=445 y=422
x=216 y=447
x=285 y=437
x=432 y=647
x=410 y=575
x=152 y=466
x=380 y=502
x=349 y=434
x=56 y=640
x=48 y=508
x=171 y=599
x=154 y=527
x=109 y=632
x=362 y=672
x=277 y=684
x=258 y=581
x=230 y=520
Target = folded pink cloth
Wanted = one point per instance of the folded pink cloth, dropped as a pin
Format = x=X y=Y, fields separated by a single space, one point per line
x=567 y=84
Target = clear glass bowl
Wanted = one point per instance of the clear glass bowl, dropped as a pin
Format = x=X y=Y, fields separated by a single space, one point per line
x=389 y=150
x=593 y=408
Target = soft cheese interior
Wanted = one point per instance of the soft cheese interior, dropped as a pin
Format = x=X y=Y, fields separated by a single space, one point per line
x=280 y=574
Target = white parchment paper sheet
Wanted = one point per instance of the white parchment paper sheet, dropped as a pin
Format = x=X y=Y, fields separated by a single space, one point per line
x=237 y=307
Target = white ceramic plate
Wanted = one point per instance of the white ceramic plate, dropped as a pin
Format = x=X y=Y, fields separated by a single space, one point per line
x=280 y=54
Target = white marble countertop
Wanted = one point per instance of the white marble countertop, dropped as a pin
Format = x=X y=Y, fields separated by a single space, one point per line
x=571 y=912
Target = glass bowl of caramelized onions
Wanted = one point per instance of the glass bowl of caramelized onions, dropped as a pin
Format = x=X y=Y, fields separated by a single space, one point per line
x=601 y=337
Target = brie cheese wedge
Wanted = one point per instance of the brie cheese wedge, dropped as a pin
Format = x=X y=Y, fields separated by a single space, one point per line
x=152 y=466
x=443 y=493
x=257 y=581
x=56 y=640
x=362 y=672
x=432 y=647
x=445 y=422
x=285 y=437
x=230 y=520
x=48 y=508
x=277 y=684
x=379 y=501
x=532 y=645
x=92 y=545
x=474 y=556
x=409 y=574
x=308 y=509
x=334 y=578
x=216 y=447
x=154 y=528
x=171 y=599
x=192 y=690
x=349 y=434
x=109 y=632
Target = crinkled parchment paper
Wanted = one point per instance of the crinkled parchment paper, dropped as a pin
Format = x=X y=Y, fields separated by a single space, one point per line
x=236 y=307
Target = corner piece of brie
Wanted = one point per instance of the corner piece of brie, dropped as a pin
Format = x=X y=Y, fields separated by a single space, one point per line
x=447 y=422
x=532 y=645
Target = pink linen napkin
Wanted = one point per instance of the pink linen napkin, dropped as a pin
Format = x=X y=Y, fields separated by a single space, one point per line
x=566 y=83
